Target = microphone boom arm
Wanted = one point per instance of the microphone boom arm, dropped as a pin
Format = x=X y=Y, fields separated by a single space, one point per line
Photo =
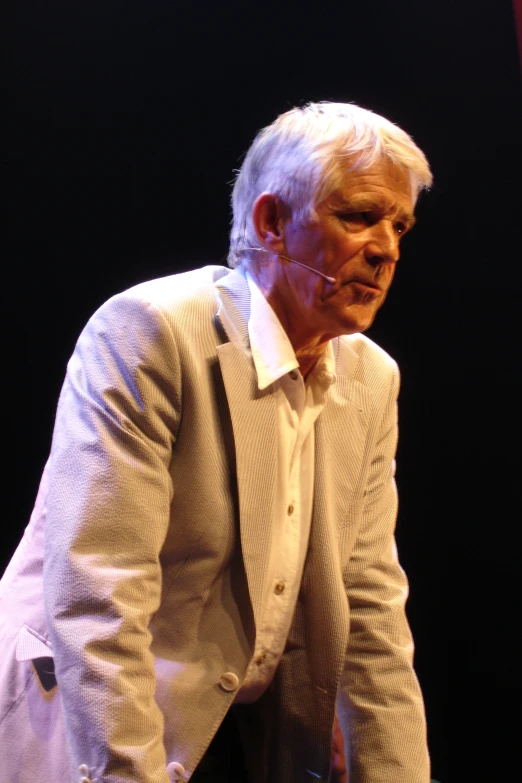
x=328 y=279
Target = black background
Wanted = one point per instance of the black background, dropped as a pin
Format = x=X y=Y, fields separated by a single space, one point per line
x=125 y=122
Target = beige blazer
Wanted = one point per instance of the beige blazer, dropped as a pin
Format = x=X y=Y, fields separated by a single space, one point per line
x=139 y=578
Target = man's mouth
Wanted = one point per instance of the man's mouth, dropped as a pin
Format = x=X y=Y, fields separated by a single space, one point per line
x=366 y=283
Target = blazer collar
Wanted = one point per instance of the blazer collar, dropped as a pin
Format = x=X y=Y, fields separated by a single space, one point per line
x=233 y=312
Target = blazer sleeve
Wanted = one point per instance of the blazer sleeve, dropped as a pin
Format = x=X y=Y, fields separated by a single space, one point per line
x=380 y=705
x=107 y=518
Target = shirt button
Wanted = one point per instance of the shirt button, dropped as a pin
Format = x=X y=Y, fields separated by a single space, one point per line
x=261 y=657
x=293 y=375
x=229 y=681
x=175 y=770
x=290 y=510
x=83 y=769
x=280 y=586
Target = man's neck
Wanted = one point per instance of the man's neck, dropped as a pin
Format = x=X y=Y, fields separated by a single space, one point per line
x=308 y=358
x=308 y=345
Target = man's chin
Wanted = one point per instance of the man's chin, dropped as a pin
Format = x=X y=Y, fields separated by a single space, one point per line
x=359 y=318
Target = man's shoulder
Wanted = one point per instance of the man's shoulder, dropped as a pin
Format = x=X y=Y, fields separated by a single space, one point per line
x=175 y=291
x=177 y=299
x=368 y=351
x=184 y=303
x=367 y=362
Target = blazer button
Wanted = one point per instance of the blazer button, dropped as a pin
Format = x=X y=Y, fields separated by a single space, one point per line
x=229 y=681
x=175 y=770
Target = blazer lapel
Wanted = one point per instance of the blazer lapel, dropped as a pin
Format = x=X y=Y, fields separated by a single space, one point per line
x=340 y=439
x=253 y=415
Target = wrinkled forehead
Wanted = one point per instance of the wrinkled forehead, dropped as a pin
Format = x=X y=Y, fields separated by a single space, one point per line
x=384 y=177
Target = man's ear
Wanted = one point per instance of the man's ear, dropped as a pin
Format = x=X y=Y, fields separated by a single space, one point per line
x=269 y=216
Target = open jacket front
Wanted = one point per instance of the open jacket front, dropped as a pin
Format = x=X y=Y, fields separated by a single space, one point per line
x=155 y=515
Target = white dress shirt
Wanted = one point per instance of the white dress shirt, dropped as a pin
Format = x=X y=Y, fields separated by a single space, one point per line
x=299 y=403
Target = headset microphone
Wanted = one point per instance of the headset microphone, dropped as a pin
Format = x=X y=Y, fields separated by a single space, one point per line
x=328 y=279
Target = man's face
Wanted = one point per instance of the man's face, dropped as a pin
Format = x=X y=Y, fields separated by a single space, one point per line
x=354 y=240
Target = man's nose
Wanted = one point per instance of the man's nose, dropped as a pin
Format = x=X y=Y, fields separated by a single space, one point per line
x=383 y=247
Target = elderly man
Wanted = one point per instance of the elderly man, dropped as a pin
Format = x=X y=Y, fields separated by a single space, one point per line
x=210 y=569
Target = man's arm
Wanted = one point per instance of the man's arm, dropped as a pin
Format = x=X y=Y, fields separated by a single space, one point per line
x=108 y=514
x=381 y=707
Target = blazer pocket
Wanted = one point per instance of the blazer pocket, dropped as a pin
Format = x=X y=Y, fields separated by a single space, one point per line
x=31 y=646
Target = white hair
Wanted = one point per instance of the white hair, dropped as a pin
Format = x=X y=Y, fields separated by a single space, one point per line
x=301 y=157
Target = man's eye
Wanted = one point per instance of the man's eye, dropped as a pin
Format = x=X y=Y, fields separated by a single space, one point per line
x=400 y=228
x=358 y=217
